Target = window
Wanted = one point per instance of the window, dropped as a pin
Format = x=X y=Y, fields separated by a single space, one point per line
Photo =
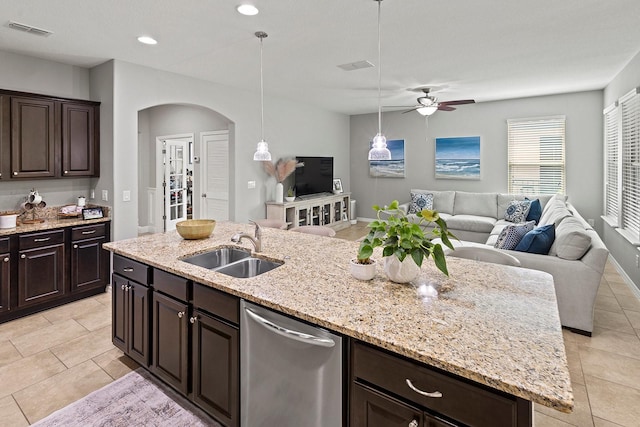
x=611 y=165
x=536 y=155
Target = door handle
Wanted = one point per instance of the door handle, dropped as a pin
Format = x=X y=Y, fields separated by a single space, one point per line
x=289 y=333
x=194 y=319
x=204 y=194
x=424 y=393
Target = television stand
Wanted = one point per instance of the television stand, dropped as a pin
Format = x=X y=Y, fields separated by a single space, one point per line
x=331 y=210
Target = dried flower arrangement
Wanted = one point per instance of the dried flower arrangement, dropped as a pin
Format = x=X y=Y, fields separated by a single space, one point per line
x=282 y=168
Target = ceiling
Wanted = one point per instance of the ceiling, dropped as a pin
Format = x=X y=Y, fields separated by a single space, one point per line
x=486 y=50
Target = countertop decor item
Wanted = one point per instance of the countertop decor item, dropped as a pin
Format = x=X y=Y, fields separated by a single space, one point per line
x=363 y=270
x=402 y=238
x=8 y=219
x=280 y=170
x=192 y=229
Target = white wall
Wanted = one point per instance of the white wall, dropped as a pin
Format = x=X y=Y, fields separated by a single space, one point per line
x=489 y=121
x=27 y=74
x=289 y=127
x=622 y=251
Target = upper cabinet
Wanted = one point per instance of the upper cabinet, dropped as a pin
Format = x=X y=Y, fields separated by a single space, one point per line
x=45 y=137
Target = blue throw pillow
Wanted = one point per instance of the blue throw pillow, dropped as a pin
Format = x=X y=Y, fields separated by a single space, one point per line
x=538 y=240
x=535 y=211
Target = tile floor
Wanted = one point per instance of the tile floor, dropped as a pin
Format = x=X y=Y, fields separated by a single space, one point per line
x=53 y=358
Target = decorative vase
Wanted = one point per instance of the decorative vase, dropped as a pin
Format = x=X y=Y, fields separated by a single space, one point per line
x=363 y=271
x=289 y=199
x=401 y=272
x=279 y=192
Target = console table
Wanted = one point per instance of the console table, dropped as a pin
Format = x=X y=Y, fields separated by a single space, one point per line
x=331 y=210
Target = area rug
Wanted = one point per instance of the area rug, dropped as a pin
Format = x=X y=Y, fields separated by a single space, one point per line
x=137 y=399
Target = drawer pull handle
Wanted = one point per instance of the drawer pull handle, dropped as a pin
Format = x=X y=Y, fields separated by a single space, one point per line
x=194 y=319
x=23 y=256
x=413 y=423
x=75 y=246
x=42 y=240
x=6 y=259
x=424 y=393
x=180 y=314
x=128 y=269
x=123 y=287
x=89 y=232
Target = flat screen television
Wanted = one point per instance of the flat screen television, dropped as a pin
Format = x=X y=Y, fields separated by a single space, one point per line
x=316 y=176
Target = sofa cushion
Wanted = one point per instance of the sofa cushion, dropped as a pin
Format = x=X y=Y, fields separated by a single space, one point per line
x=535 y=211
x=442 y=200
x=538 y=240
x=572 y=240
x=481 y=224
x=517 y=211
x=420 y=201
x=512 y=234
x=481 y=204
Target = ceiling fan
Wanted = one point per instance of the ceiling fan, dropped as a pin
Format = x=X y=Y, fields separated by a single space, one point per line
x=428 y=104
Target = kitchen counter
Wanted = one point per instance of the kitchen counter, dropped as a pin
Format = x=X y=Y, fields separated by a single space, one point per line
x=52 y=221
x=493 y=324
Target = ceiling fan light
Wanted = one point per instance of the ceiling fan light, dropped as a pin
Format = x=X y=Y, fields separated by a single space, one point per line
x=427 y=111
x=247 y=9
x=262 y=152
x=379 y=150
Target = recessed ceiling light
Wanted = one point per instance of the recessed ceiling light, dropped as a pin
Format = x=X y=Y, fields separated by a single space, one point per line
x=247 y=9
x=147 y=40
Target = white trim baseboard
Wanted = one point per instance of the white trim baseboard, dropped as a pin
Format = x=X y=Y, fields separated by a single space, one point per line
x=625 y=277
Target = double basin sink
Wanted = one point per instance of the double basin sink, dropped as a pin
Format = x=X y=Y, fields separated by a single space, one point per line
x=233 y=262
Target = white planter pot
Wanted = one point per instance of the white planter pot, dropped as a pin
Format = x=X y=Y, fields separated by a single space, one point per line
x=362 y=271
x=8 y=220
x=279 y=192
x=289 y=199
x=401 y=272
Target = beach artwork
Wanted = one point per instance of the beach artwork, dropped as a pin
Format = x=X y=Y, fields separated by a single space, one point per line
x=393 y=168
x=458 y=158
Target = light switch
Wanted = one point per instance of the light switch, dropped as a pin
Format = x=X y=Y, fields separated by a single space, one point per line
x=126 y=196
x=105 y=195
x=251 y=184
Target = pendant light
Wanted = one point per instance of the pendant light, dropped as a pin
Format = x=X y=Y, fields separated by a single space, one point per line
x=379 y=150
x=262 y=151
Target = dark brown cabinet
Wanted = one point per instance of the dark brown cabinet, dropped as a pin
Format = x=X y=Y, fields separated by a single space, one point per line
x=130 y=308
x=48 y=137
x=41 y=268
x=89 y=262
x=5 y=274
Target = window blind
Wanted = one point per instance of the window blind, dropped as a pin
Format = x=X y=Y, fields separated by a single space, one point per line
x=630 y=111
x=536 y=155
x=611 y=164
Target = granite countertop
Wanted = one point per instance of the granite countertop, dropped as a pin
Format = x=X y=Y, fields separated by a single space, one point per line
x=51 y=221
x=493 y=324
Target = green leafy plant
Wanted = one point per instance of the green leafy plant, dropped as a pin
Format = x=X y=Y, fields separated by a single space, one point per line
x=401 y=237
x=290 y=192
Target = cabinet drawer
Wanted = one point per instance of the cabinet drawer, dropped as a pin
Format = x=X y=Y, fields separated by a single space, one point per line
x=170 y=284
x=87 y=232
x=4 y=245
x=131 y=269
x=465 y=402
x=36 y=240
x=216 y=302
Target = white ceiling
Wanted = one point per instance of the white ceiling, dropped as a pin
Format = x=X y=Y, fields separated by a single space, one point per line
x=486 y=50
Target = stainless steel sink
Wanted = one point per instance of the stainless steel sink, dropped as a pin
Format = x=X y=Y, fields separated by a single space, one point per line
x=248 y=267
x=218 y=257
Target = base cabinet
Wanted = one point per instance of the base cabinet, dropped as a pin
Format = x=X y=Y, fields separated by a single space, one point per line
x=89 y=262
x=41 y=268
x=330 y=211
x=131 y=319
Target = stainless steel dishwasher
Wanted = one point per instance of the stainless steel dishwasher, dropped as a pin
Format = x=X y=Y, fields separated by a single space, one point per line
x=291 y=372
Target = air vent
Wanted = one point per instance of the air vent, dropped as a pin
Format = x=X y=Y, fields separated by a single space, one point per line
x=356 y=65
x=29 y=29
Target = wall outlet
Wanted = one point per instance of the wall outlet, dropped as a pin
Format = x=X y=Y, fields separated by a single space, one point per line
x=251 y=184
x=105 y=195
x=92 y=194
x=126 y=196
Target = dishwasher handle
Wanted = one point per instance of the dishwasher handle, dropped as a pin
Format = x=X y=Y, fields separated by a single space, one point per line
x=288 y=333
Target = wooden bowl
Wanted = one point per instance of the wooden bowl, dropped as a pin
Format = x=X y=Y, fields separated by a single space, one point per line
x=192 y=229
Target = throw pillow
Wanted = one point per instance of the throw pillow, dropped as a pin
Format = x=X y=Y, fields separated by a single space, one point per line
x=420 y=201
x=517 y=211
x=511 y=235
x=538 y=240
x=535 y=211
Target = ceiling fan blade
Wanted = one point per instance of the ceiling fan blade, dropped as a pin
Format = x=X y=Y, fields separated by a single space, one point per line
x=459 y=102
x=442 y=107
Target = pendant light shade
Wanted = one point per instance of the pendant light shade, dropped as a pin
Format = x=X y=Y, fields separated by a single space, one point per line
x=262 y=150
x=379 y=150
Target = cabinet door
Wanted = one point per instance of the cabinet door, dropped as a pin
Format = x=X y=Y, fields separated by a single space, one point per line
x=215 y=368
x=40 y=275
x=78 y=139
x=170 y=341
x=119 y=315
x=88 y=264
x=138 y=323
x=5 y=281
x=370 y=408
x=32 y=138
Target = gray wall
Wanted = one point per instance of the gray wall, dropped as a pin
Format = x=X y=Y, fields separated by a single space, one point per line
x=622 y=251
x=27 y=74
x=583 y=113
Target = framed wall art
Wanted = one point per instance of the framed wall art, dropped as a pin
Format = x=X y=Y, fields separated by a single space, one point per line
x=393 y=168
x=458 y=158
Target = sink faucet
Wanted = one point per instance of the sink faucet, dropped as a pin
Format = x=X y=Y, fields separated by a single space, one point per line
x=256 y=240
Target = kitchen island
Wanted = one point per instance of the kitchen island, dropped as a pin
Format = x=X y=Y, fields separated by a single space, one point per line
x=494 y=325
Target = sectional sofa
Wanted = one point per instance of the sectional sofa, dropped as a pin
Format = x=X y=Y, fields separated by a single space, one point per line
x=576 y=259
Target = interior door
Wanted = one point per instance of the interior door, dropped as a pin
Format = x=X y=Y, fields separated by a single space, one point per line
x=215 y=175
x=175 y=183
